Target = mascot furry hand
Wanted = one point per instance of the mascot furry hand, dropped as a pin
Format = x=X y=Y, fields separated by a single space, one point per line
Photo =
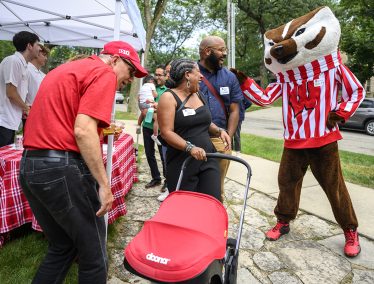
x=303 y=55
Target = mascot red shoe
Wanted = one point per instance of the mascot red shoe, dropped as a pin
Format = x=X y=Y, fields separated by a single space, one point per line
x=303 y=54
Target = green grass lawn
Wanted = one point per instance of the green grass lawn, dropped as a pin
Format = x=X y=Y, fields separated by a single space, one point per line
x=357 y=168
x=125 y=115
x=254 y=107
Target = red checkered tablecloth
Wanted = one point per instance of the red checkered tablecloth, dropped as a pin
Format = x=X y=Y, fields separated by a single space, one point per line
x=14 y=208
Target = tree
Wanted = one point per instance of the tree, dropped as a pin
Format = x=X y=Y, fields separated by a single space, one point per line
x=253 y=19
x=177 y=25
x=168 y=24
x=357 y=21
x=6 y=49
x=152 y=11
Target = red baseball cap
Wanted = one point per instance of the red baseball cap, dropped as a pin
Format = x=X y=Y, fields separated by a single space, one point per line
x=126 y=51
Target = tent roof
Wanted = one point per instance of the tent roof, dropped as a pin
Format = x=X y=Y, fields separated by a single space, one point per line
x=88 y=23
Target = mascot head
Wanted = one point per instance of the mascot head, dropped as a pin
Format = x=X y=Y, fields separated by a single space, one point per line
x=301 y=40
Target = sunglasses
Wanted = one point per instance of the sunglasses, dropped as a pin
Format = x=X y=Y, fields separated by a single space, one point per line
x=132 y=68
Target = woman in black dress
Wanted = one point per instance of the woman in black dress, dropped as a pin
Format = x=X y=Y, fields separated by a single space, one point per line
x=186 y=125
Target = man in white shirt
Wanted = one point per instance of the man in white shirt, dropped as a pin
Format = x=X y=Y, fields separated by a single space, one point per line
x=14 y=84
x=35 y=74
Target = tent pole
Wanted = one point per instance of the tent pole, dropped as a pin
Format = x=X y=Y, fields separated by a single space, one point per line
x=138 y=112
x=229 y=33
x=232 y=34
x=109 y=154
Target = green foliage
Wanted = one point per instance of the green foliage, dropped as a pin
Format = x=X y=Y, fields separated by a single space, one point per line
x=253 y=18
x=6 y=49
x=178 y=23
x=60 y=54
x=357 y=22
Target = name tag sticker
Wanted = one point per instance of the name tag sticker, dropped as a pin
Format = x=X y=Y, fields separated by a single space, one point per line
x=224 y=91
x=188 y=112
x=318 y=82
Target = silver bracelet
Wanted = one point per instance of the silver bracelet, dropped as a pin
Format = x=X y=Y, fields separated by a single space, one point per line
x=188 y=147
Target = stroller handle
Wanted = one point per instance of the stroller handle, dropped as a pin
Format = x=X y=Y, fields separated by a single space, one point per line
x=217 y=156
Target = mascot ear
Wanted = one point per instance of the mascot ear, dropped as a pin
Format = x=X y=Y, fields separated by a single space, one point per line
x=332 y=119
x=240 y=75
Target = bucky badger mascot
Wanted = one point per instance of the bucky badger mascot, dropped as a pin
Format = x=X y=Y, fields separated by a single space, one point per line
x=303 y=54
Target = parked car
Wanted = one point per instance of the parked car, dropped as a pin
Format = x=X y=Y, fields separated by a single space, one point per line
x=119 y=98
x=363 y=119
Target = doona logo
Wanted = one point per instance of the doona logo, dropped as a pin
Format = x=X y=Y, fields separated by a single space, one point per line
x=124 y=51
x=157 y=259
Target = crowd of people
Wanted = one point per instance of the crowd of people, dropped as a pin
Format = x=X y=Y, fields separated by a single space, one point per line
x=187 y=108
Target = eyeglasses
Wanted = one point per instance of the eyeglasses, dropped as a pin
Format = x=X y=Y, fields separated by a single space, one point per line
x=221 y=49
x=159 y=75
x=132 y=68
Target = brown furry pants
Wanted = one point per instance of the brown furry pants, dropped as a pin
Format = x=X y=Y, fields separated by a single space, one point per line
x=324 y=163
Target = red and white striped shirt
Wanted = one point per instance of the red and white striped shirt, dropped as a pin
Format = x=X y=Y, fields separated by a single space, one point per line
x=309 y=93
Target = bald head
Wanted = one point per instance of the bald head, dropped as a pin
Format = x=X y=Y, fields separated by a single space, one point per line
x=210 y=41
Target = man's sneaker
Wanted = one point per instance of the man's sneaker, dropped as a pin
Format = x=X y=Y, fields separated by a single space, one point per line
x=164 y=187
x=352 y=245
x=138 y=130
x=163 y=196
x=279 y=230
x=153 y=183
x=154 y=138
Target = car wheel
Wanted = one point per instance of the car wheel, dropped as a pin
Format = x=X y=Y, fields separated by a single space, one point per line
x=369 y=127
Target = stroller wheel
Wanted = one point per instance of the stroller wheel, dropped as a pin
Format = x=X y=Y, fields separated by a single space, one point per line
x=231 y=243
x=215 y=280
x=231 y=269
x=231 y=262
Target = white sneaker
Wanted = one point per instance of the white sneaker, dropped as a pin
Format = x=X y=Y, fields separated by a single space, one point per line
x=163 y=196
x=154 y=138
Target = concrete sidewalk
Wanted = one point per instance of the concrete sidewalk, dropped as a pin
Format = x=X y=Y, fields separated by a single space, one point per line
x=313 y=200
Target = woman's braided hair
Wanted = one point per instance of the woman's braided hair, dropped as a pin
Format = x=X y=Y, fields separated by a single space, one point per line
x=178 y=68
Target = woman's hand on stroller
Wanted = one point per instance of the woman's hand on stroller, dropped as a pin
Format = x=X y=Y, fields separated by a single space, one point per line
x=198 y=153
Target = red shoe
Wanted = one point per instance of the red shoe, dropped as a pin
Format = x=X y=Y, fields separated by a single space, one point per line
x=279 y=230
x=352 y=245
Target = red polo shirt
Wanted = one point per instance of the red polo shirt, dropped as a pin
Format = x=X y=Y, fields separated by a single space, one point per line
x=84 y=86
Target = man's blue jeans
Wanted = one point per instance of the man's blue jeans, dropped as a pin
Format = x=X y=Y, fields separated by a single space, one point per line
x=63 y=197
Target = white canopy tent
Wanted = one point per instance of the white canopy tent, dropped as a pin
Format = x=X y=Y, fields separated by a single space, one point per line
x=86 y=23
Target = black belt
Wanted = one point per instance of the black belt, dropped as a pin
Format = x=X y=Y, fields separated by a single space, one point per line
x=51 y=154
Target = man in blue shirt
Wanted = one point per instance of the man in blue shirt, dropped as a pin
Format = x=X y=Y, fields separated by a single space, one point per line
x=221 y=90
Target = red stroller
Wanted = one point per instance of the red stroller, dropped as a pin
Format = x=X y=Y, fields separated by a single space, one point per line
x=186 y=241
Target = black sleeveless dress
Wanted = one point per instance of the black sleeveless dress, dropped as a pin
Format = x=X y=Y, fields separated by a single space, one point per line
x=199 y=176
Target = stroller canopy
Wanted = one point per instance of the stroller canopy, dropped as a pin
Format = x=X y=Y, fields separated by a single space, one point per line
x=188 y=232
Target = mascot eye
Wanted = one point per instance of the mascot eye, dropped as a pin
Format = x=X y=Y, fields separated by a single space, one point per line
x=271 y=43
x=299 y=32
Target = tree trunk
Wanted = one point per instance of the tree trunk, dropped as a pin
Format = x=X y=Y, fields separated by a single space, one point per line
x=150 y=26
x=133 y=97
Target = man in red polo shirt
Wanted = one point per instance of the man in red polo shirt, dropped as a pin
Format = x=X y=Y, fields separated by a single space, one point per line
x=62 y=171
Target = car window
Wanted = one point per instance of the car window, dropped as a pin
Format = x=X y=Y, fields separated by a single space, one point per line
x=367 y=104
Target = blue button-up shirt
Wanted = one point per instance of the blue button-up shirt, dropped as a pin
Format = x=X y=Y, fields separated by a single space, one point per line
x=227 y=86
